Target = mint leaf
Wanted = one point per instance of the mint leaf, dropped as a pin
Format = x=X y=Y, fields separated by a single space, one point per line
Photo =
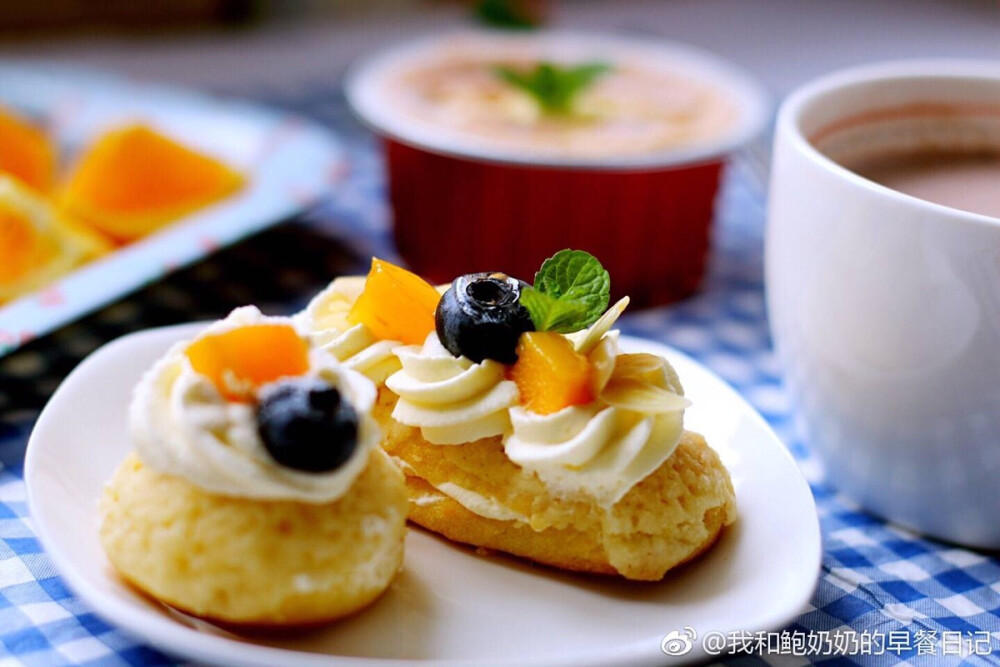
x=551 y=314
x=577 y=277
x=571 y=291
x=504 y=14
x=553 y=86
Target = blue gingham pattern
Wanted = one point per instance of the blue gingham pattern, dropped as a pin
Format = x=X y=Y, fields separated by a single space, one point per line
x=905 y=594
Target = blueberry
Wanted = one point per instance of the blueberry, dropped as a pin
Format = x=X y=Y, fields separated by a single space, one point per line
x=481 y=317
x=306 y=425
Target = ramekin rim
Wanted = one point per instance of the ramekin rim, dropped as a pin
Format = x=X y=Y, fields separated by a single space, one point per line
x=753 y=101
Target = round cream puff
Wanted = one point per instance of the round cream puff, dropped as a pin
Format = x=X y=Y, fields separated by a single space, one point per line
x=257 y=494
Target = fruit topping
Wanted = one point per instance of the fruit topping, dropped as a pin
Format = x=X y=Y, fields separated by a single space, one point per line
x=481 y=317
x=306 y=425
x=241 y=360
x=36 y=244
x=395 y=304
x=22 y=247
x=550 y=375
x=134 y=180
x=26 y=152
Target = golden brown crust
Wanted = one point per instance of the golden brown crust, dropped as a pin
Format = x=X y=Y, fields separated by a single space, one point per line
x=670 y=517
x=252 y=562
x=564 y=548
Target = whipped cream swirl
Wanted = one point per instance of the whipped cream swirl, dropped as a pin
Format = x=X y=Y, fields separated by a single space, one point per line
x=452 y=399
x=359 y=349
x=598 y=451
x=325 y=318
x=181 y=425
x=606 y=447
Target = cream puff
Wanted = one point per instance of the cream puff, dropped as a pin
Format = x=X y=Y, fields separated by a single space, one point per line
x=522 y=427
x=257 y=493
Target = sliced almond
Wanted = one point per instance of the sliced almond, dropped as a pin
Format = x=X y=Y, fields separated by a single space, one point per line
x=585 y=341
x=641 y=366
x=642 y=397
x=650 y=368
x=602 y=363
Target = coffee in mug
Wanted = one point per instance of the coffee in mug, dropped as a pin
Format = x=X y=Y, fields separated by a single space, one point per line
x=882 y=263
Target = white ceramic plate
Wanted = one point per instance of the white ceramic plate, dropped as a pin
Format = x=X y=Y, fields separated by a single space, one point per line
x=289 y=163
x=449 y=604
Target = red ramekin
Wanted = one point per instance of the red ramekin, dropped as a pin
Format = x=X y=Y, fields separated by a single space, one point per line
x=462 y=207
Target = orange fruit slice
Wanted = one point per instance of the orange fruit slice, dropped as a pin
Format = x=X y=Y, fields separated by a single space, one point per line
x=550 y=375
x=23 y=247
x=26 y=152
x=87 y=241
x=241 y=360
x=36 y=245
x=395 y=304
x=134 y=180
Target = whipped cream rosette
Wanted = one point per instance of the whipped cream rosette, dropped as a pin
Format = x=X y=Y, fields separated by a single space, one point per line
x=451 y=399
x=183 y=424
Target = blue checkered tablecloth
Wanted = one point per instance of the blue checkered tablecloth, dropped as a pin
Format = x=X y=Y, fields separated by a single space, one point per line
x=886 y=596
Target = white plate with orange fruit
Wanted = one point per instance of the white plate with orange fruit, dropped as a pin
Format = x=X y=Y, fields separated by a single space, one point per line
x=107 y=184
x=450 y=604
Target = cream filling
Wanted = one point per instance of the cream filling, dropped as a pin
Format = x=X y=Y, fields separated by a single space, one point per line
x=181 y=425
x=451 y=399
x=476 y=503
x=427 y=499
x=479 y=504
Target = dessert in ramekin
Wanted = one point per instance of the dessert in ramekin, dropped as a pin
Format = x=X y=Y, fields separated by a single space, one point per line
x=502 y=148
x=521 y=427
x=257 y=493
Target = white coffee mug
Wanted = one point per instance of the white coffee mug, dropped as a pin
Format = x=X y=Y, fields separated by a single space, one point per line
x=885 y=309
